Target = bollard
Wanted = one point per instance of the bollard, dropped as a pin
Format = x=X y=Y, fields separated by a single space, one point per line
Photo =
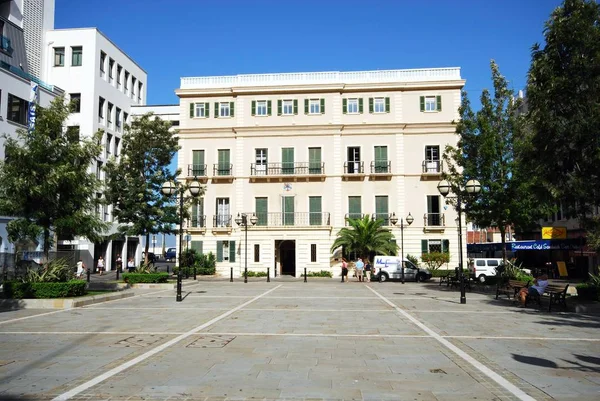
x=268 y=275
x=245 y=274
x=187 y=272
x=168 y=267
x=179 y=277
x=231 y=275
x=88 y=274
x=194 y=272
x=305 y=275
x=118 y=273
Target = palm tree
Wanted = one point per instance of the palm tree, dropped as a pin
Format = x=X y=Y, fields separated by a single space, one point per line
x=365 y=237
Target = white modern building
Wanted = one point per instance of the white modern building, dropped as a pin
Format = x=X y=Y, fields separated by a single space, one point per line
x=104 y=82
x=305 y=151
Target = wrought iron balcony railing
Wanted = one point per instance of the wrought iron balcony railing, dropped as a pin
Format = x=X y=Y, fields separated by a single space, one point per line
x=196 y=170
x=382 y=216
x=287 y=168
x=434 y=220
x=222 y=220
x=432 y=167
x=222 y=169
x=354 y=167
x=381 y=167
x=198 y=222
x=280 y=219
x=353 y=216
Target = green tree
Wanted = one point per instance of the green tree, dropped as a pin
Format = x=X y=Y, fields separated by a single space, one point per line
x=563 y=99
x=134 y=181
x=365 y=236
x=485 y=152
x=45 y=180
x=434 y=260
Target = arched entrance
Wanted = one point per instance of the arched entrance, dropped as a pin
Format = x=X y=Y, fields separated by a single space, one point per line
x=286 y=257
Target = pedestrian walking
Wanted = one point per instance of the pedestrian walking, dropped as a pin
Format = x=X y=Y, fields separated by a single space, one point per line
x=344 y=269
x=119 y=262
x=100 y=265
x=368 y=270
x=359 y=269
x=81 y=268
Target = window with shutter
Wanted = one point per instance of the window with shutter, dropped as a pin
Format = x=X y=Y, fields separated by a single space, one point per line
x=422 y=102
x=379 y=105
x=287 y=208
x=438 y=101
x=381 y=209
x=279 y=107
x=198 y=167
x=313 y=253
x=315 y=209
x=232 y=109
x=232 y=251
x=360 y=105
x=371 y=105
x=216 y=110
x=381 y=159
x=254 y=107
x=262 y=211
x=354 y=207
x=287 y=161
x=288 y=107
x=322 y=106
x=305 y=106
x=387 y=104
x=191 y=110
x=295 y=106
x=206 y=109
x=268 y=107
x=197 y=246
x=344 y=106
x=219 y=251
x=424 y=247
x=314 y=161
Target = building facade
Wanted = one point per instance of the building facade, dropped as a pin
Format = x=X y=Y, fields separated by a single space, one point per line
x=104 y=82
x=305 y=151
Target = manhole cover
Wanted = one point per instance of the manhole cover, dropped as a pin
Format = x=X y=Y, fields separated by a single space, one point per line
x=437 y=371
x=139 y=341
x=215 y=341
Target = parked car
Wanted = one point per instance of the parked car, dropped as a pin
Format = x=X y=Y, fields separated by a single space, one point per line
x=170 y=255
x=389 y=267
x=151 y=257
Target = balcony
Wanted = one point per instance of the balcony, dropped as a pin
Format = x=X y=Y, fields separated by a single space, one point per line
x=381 y=170
x=293 y=219
x=434 y=222
x=383 y=216
x=29 y=77
x=221 y=223
x=5 y=45
x=222 y=172
x=198 y=224
x=197 y=172
x=279 y=172
x=353 y=216
x=432 y=169
x=354 y=171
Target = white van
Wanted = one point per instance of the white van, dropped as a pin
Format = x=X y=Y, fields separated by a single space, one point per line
x=389 y=267
x=482 y=268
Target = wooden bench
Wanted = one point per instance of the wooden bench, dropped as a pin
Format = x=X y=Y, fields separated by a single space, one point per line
x=511 y=287
x=447 y=277
x=557 y=293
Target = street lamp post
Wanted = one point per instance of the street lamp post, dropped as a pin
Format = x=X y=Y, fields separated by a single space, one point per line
x=169 y=188
x=409 y=220
x=243 y=220
x=472 y=187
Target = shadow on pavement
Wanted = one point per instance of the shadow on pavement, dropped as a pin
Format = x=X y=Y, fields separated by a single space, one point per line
x=532 y=360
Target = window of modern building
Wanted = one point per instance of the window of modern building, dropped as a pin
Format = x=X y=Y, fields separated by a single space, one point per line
x=314 y=106
x=287 y=107
x=59 y=56
x=118 y=118
x=102 y=63
x=126 y=81
x=75 y=102
x=76 y=56
x=101 y=109
x=125 y=118
x=256 y=253
x=108 y=144
x=133 y=85
x=109 y=114
x=431 y=103
x=17 y=110
x=119 y=72
x=313 y=252
x=140 y=87
x=116 y=146
x=111 y=72
x=73 y=133
x=352 y=106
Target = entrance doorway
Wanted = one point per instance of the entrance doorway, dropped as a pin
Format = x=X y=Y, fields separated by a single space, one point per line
x=286 y=257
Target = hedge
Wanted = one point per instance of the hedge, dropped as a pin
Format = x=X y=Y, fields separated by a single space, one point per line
x=322 y=273
x=19 y=290
x=133 y=278
x=201 y=271
x=588 y=292
x=252 y=273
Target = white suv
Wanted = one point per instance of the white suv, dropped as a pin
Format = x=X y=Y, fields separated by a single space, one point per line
x=483 y=268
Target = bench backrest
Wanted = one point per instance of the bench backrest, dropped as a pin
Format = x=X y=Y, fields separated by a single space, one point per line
x=517 y=283
x=556 y=288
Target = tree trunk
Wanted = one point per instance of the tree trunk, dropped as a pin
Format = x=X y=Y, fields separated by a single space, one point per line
x=146 y=247
x=46 y=245
x=503 y=241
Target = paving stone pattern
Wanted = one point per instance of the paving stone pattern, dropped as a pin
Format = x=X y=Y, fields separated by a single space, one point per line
x=321 y=340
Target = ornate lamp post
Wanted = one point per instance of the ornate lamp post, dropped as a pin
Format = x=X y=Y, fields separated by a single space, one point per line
x=243 y=221
x=472 y=187
x=169 y=188
x=394 y=221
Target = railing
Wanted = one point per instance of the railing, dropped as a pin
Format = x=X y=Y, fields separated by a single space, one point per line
x=222 y=169
x=198 y=222
x=280 y=219
x=353 y=216
x=381 y=167
x=222 y=220
x=354 y=167
x=434 y=220
x=382 y=216
x=323 y=77
x=432 y=166
x=287 y=168
x=196 y=170
x=5 y=44
x=29 y=77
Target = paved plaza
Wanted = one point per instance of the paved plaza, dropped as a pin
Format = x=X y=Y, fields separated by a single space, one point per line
x=290 y=340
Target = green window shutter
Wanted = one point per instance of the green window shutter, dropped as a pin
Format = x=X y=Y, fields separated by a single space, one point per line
x=354 y=208
x=296 y=106
x=216 y=109
x=381 y=159
x=305 y=106
x=393 y=241
x=446 y=246
x=195 y=214
x=322 y=106
x=381 y=205
x=387 y=104
x=360 y=105
x=254 y=107
x=206 y=109
x=422 y=101
x=315 y=216
x=191 y=110
x=344 y=106
x=314 y=161
x=197 y=245
x=231 y=109
x=371 y=105
x=261 y=207
x=268 y=107
x=198 y=158
x=279 y=107
x=224 y=163
x=287 y=160
x=438 y=102
x=232 y=251
x=288 y=210
x=424 y=247
x=219 y=251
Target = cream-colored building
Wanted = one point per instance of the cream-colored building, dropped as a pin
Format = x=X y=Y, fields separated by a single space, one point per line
x=303 y=151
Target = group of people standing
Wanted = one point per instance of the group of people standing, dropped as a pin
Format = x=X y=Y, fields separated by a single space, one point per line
x=362 y=270
x=101 y=267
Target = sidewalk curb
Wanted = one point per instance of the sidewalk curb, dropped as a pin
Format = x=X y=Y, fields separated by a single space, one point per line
x=62 y=303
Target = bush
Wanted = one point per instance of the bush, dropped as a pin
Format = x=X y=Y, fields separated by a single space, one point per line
x=588 y=292
x=413 y=259
x=133 y=278
x=255 y=274
x=19 y=290
x=322 y=273
x=434 y=260
x=188 y=258
x=206 y=271
x=56 y=271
